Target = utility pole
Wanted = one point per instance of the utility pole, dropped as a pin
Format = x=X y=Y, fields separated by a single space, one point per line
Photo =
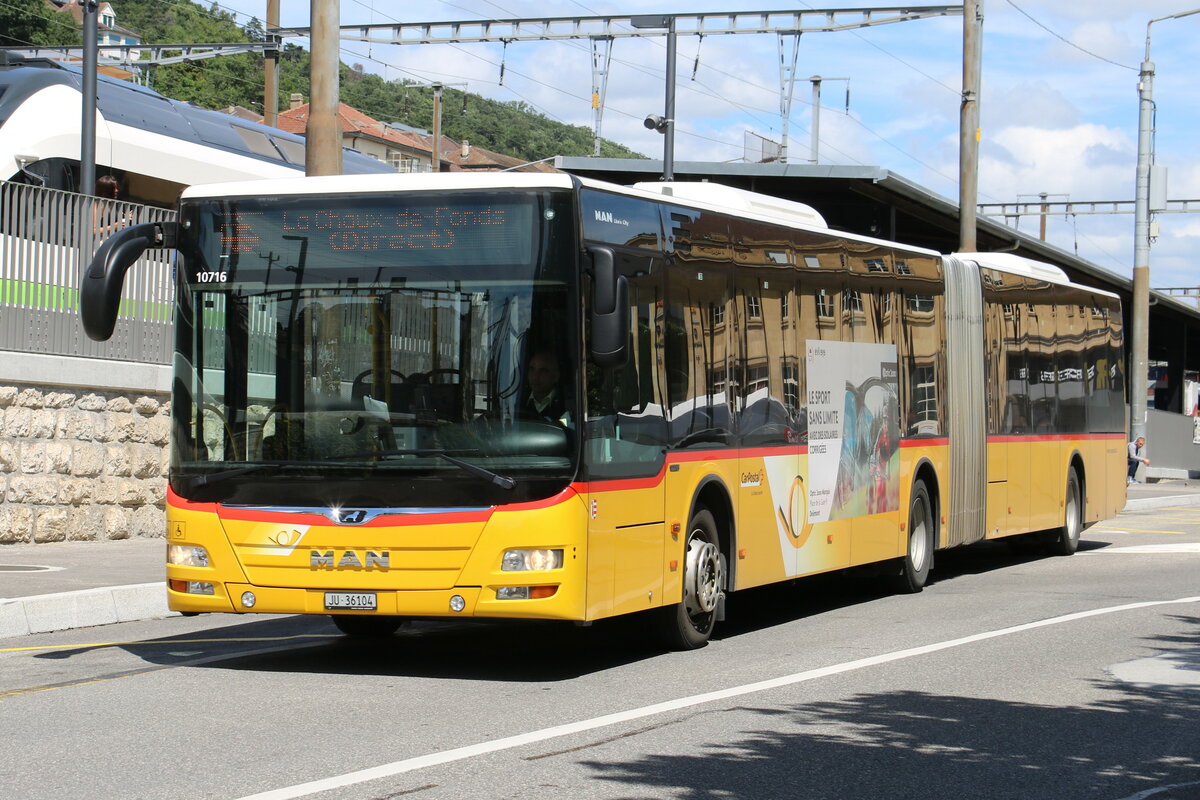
x=87 y=130
x=437 y=127
x=323 y=146
x=968 y=126
x=271 y=68
x=666 y=123
x=601 y=58
x=1139 y=367
x=814 y=149
x=817 y=80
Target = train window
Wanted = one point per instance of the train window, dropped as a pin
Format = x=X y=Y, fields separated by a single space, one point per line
x=258 y=142
x=292 y=151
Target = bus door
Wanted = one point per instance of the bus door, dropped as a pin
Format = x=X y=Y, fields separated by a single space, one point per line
x=625 y=455
x=772 y=501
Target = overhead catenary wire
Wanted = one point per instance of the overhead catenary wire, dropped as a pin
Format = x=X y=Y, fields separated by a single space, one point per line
x=1064 y=39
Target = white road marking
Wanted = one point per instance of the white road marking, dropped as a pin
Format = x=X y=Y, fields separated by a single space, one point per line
x=1159 y=790
x=571 y=728
x=1181 y=547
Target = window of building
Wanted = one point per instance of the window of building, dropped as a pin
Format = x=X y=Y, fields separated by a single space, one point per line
x=920 y=303
x=753 y=307
x=824 y=304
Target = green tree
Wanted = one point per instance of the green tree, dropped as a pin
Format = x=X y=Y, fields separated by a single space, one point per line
x=513 y=128
x=32 y=22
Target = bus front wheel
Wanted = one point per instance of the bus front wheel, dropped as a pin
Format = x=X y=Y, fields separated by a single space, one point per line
x=689 y=623
x=922 y=534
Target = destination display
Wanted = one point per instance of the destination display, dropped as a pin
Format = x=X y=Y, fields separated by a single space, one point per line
x=379 y=230
x=368 y=229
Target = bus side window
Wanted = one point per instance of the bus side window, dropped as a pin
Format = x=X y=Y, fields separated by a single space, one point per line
x=625 y=428
x=699 y=341
x=766 y=413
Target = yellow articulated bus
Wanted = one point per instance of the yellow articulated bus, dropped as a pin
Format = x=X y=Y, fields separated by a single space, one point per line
x=541 y=397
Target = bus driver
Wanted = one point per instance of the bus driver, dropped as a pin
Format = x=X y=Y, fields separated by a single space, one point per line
x=543 y=397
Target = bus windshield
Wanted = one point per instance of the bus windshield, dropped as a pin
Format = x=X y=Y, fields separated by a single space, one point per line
x=378 y=351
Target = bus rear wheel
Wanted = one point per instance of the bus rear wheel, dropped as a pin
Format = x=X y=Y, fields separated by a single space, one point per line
x=689 y=623
x=1065 y=540
x=366 y=626
x=922 y=534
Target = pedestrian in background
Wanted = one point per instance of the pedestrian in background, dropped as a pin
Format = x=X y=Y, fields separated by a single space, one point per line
x=105 y=217
x=1136 y=457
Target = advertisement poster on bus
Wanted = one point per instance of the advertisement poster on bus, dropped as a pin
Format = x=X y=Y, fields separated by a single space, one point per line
x=853 y=430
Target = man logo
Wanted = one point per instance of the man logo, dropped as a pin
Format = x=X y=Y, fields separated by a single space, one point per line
x=353 y=517
x=371 y=559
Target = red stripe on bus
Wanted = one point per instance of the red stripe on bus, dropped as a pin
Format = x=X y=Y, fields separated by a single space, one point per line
x=556 y=499
x=725 y=454
x=620 y=484
x=687 y=456
x=382 y=521
x=184 y=504
x=1056 y=437
x=932 y=441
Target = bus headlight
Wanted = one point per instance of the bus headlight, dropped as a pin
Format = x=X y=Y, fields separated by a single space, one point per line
x=531 y=560
x=187 y=556
x=525 y=592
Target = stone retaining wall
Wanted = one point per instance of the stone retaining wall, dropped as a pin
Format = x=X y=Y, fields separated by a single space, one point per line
x=78 y=464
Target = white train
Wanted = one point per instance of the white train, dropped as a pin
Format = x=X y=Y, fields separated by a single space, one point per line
x=153 y=145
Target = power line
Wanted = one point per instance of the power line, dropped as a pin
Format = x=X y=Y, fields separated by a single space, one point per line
x=1066 y=40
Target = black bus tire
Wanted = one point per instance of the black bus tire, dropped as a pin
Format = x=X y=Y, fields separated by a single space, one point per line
x=922 y=534
x=689 y=623
x=1065 y=540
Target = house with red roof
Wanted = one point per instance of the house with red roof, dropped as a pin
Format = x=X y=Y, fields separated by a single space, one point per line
x=406 y=149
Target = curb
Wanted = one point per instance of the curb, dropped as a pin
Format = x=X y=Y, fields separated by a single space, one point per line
x=1144 y=503
x=43 y=613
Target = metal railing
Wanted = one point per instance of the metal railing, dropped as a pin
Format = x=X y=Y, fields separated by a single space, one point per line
x=47 y=237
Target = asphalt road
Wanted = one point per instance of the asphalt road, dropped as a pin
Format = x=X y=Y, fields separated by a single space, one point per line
x=1008 y=677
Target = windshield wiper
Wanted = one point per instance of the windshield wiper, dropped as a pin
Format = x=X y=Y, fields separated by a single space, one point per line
x=503 y=481
x=195 y=482
x=207 y=479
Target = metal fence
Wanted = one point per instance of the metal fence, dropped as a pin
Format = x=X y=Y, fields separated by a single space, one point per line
x=47 y=237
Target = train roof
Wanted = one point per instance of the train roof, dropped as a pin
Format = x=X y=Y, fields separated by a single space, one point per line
x=128 y=104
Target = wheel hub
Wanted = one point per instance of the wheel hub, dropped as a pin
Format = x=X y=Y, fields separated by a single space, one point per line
x=703 y=577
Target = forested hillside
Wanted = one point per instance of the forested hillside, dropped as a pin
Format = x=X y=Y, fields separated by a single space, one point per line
x=506 y=127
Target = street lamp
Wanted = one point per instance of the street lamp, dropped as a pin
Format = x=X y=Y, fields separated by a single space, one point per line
x=1140 y=338
x=665 y=124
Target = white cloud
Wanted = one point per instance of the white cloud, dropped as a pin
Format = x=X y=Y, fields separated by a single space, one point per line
x=1079 y=161
x=1181 y=231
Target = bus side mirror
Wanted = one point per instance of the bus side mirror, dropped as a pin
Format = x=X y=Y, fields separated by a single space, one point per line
x=610 y=310
x=100 y=291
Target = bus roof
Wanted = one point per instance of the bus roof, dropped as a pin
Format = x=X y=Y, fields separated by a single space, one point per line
x=705 y=196
x=1026 y=267
x=383 y=182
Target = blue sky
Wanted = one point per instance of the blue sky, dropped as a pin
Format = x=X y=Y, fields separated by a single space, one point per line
x=1059 y=101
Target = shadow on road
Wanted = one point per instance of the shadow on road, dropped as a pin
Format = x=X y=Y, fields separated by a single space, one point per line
x=921 y=744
